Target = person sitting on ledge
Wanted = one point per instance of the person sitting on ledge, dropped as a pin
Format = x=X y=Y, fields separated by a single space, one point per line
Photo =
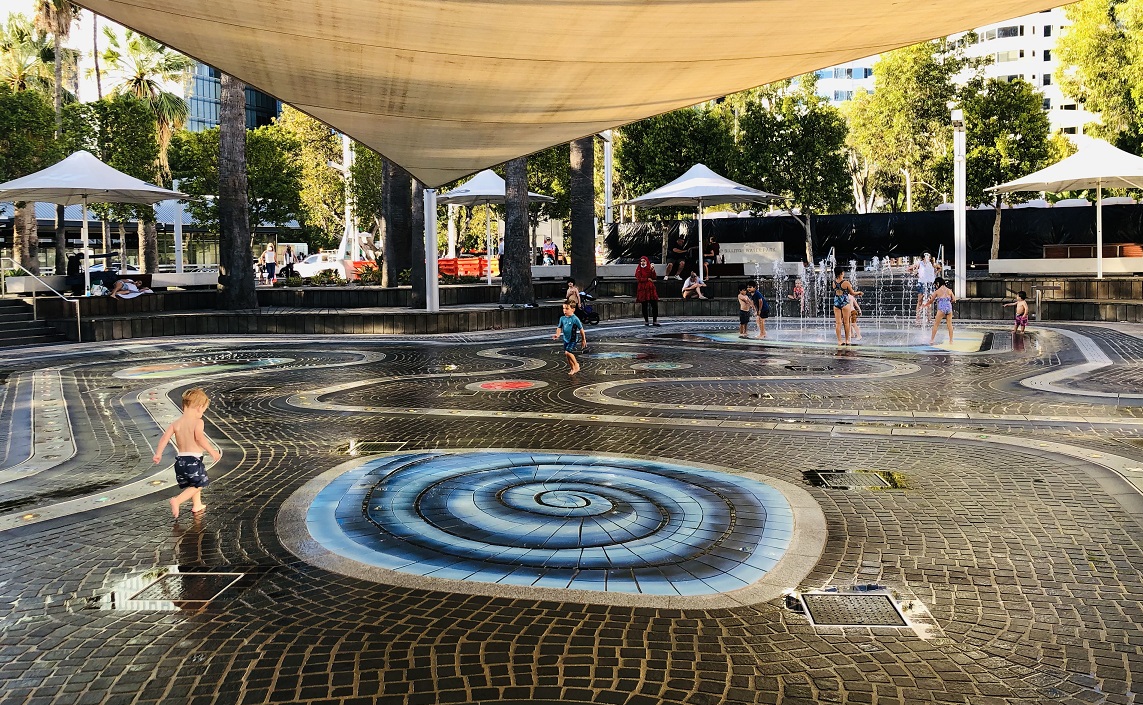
x=129 y=289
x=693 y=286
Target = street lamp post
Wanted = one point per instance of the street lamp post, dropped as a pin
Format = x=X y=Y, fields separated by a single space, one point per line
x=960 y=239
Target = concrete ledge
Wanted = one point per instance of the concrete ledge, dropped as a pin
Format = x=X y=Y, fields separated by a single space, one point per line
x=1033 y=267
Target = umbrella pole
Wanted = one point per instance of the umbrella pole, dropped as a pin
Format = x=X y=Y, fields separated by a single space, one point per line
x=701 y=267
x=1099 y=229
x=86 y=263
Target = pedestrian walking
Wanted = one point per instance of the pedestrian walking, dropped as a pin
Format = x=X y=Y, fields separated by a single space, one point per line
x=570 y=329
x=646 y=293
x=269 y=260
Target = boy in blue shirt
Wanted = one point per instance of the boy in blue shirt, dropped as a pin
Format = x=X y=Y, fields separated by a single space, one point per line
x=567 y=329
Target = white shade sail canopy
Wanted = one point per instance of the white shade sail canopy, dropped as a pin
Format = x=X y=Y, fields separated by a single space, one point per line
x=700 y=185
x=446 y=88
x=1095 y=164
x=81 y=178
x=485 y=187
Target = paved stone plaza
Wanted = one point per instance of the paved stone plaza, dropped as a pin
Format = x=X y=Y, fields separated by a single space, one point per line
x=400 y=521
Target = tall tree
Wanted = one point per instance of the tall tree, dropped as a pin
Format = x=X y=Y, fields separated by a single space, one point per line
x=417 y=278
x=235 y=270
x=56 y=17
x=793 y=144
x=1006 y=136
x=26 y=56
x=652 y=152
x=516 y=279
x=396 y=222
x=903 y=128
x=323 y=188
x=583 y=210
x=143 y=66
x=1101 y=67
x=273 y=177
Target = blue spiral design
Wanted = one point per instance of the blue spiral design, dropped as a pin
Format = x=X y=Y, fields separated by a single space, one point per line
x=555 y=520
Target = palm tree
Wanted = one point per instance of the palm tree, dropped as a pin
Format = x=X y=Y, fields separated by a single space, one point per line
x=143 y=66
x=55 y=17
x=583 y=210
x=26 y=56
x=236 y=275
x=516 y=280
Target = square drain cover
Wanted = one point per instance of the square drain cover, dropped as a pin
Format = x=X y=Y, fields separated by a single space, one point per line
x=839 y=609
x=853 y=479
x=187 y=587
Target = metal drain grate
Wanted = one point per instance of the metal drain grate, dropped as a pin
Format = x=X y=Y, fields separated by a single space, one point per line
x=370 y=447
x=187 y=587
x=251 y=389
x=850 y=480
x=839 y=609
x=458 y=394
x=618 y=372
x=807 y=368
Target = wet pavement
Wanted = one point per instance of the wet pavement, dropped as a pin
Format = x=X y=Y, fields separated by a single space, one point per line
x=377 y=495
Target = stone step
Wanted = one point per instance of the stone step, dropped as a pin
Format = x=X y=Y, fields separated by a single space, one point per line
x=8 y=316
x=45 y=339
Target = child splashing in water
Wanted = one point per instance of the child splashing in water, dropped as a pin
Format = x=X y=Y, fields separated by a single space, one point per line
x=191 y=443
x=945 y=299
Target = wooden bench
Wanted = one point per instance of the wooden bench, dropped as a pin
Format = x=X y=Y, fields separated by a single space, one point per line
x=1120 y=249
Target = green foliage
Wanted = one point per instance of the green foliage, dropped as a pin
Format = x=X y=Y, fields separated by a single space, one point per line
x=369 y=275
x=652 y=152
x=120 y=131
x=273 y=175
x=792 y=144
x=367 y=174
x=27 y=133
x=326 y=277
x=323 y=190
x=548 y=175
x=293 y=281
x=459 y=279
x=1006 y=133
x=1101 y=67
x=904 y=126
x=27 y=58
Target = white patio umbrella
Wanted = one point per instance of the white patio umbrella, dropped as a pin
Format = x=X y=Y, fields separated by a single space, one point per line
x=481 y=190
x=1096 y=164
x=700 y=186
x=81 y=178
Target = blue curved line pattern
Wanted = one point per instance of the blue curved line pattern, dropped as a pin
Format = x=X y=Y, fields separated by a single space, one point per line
x=555 y=520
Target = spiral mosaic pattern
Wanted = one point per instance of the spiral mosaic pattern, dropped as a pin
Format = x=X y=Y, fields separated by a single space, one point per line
x=199 y=367
x=555 y=520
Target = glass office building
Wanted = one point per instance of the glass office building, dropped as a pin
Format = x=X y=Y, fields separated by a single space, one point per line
x=205 y=98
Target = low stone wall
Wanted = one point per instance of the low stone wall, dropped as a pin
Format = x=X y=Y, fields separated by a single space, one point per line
x=373 y=296
x=1108 y=289
x=53 y=307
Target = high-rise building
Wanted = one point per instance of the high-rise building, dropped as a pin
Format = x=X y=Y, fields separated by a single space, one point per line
x=205 y=98
x=837 y=84
x=1025 y=47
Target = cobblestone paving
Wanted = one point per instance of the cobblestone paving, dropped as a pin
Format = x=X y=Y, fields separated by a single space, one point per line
x=1023 y=564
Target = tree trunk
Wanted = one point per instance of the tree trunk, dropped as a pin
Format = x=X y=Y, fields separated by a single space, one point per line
x=417 y=221
x=396 y=222
x=582 y=188
x=61 y=241
x=235 y=266
x=25 y=238
x=516 y=280
x=806 y=220
x=95 y=54
x=150 y=238
x=996 y=230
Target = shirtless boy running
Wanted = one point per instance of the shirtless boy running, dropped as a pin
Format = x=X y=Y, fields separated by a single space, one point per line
x=191 y=443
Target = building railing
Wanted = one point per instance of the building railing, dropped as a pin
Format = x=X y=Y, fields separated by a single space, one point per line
x=35 y=314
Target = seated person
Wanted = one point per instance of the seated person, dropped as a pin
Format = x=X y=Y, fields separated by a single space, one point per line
x=549 y=251
x=129 y=289
x=693 y=286
x=677 y=258
x=74 y=279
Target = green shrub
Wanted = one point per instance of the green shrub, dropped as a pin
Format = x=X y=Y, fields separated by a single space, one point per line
x=369 y=274
x=293 y=281
x=404 y=276
x=327 y=277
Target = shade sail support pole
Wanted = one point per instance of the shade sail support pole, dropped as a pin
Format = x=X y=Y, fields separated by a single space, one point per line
x=1099 y=229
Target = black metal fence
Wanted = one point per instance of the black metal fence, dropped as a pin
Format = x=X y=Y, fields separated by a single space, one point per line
x=1023 y=233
